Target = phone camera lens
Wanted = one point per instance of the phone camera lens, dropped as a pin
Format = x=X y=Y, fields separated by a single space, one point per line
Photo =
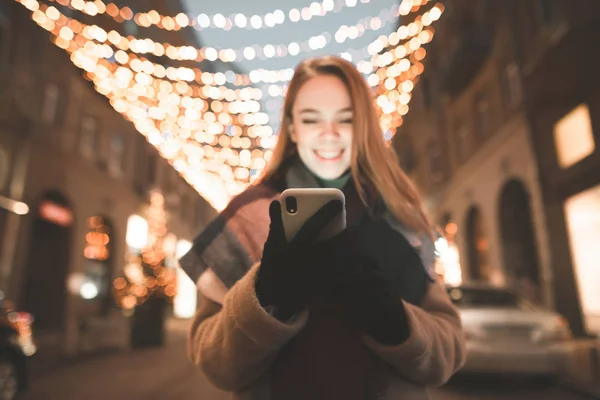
x=291 y=205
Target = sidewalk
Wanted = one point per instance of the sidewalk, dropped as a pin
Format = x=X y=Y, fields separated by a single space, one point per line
x=145 y=374
x=50 y=355
x=583 y=369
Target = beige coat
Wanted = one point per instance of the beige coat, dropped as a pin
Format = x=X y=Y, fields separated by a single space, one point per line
x=233 y=341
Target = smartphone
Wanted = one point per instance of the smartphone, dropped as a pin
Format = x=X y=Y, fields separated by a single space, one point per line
x=298 y=205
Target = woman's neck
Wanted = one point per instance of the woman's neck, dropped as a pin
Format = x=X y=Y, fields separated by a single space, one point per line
x=299 y=175
x=337 y=183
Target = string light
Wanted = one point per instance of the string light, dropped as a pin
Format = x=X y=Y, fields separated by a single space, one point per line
x=213 y=136
x=146 y=46
x=216 y=21
x=366 y=67
x=236 y=101
x=166 y=105
x=220 y=78
x=394 y=84
x=197 y=144
x=189 y=74
x=227 y=55
x=401 y=56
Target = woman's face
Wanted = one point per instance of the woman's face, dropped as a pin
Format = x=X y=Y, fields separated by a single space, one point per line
x=322 y=126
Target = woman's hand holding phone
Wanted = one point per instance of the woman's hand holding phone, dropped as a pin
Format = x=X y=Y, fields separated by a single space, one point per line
x=286 y=277
x=365 y=298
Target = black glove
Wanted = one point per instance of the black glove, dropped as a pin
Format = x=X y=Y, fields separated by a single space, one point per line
x=287 y=276
x=368 y=301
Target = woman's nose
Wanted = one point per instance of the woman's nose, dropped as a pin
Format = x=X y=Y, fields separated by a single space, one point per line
x=330 y=128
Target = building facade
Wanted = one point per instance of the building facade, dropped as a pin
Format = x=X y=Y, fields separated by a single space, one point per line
x=480 y=143
x=559 y=60
x=82 y=171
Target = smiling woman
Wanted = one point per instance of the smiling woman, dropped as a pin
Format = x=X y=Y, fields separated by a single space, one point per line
x=322 y=126
x=358 y=316
x=330 y=121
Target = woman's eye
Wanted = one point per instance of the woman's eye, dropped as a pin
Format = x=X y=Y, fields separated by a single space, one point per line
x=309 y=121
x=347 y=121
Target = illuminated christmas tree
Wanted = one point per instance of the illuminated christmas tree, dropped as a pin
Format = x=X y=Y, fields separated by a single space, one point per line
x=146 y=275
x=148 y=286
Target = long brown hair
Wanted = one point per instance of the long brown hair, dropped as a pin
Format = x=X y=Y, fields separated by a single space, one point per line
x=375 y=167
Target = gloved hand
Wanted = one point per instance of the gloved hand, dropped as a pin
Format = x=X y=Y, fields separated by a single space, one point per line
x=288 y=274
x=364 y=296
x=369 y=302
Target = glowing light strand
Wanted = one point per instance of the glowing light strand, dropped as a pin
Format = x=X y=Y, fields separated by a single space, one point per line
x=216 y=162
x=96 y=33
x=239 y=99
x=217 y=21
x=227 y=170
x=181 y=53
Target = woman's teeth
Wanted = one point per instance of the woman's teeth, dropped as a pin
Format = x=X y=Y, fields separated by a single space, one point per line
x=328 y=155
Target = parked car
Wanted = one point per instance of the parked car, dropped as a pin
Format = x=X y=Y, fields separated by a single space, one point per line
x=507 y=334
x=16 y=345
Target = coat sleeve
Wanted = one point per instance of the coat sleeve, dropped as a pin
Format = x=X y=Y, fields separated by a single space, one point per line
x=235 y=344
x=435 y=349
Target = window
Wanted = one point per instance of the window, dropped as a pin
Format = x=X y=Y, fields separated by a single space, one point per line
x=463 y=141
x=198 y=217
x=482 y=116
x=436 y=161
x=4 y=59
x=4 y=34
x=573 y=137
x=140 y=163
x=543 y=12
x=3 y=11
x=478 y=246
x=50 y=105
x=116 y=153
x=37 y=48
x=406 y=152
x=4 y=169
x=583 y=215
x=152 y=164
x=168 y=178
x=482 y=11
x=426 y=93
x=183 y=207
x=511 y=85
x=88 y=140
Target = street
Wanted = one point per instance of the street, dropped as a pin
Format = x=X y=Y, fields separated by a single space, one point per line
x=166 y=374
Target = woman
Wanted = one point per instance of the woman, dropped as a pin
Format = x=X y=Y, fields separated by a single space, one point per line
x=360 y=316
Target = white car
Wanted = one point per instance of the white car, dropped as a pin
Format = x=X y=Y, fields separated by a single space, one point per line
x=507 y=334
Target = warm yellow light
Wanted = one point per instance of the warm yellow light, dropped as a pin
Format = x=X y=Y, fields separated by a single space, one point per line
x=138 y=91
x=52 y=13
x=583 y=222
x=182 y=20
x=78 y=4
x=574 y=137
x=436 y=12
x=168 y=23
x=91 y=8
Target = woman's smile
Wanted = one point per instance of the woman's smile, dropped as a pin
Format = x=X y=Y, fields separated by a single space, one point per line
x=329 y=155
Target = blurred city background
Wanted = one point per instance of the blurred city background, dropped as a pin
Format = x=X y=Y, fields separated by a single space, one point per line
x=126 y=126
